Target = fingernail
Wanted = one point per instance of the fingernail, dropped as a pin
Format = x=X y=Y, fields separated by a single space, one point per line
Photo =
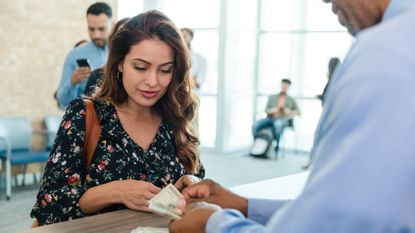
x=181 y=204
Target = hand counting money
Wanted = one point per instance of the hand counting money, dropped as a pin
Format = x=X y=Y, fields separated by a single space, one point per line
x=164 y=203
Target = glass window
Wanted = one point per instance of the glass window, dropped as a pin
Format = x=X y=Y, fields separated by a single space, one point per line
x=194 y=13
x=128 y=8
x=207 y=121
x=321 y=18
x=274 y=61
x=319 y=48
x=206 y=42
x=277 y=15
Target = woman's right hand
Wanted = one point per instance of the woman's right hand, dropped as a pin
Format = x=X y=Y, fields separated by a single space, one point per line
x=136 y=194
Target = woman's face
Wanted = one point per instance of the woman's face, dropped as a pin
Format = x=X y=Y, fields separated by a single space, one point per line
x=147 y=71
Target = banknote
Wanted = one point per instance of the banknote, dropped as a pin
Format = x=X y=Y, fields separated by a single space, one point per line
x=150 y=230
x=164 y=203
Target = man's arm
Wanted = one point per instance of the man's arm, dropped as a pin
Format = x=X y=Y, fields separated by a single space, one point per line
x=271 y=105
x=71 y=77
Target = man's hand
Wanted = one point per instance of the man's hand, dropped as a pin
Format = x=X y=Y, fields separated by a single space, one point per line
x=211 y=192
x=195 y=218
x=186 y=181
x=80 y=74
x=277 y=114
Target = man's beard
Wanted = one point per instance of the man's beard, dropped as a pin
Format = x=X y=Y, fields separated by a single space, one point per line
x=100 y=43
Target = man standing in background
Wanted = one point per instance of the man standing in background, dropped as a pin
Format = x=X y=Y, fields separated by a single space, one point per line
x=73 y=80
x=199 y=62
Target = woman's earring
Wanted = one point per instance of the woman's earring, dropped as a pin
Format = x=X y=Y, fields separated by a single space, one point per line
x=118 y=76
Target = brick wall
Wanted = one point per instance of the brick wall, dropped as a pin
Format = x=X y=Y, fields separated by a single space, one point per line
x=35 y=37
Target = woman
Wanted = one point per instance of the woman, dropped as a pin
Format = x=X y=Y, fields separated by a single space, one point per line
x=145 y=107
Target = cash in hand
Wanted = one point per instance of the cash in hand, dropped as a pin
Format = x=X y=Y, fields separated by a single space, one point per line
x=164 y=203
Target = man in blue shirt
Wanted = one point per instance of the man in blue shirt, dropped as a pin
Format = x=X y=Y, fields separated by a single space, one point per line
x=364 y=174
x=73 y=80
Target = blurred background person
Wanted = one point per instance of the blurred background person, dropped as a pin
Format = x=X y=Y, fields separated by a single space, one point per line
x=334 y=62
x=199 y=62
x=73 y=80
x=280 y=108
x=95 y=79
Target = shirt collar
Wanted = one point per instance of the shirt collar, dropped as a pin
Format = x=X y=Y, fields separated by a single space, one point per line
x=395 y=7
x=98 y=48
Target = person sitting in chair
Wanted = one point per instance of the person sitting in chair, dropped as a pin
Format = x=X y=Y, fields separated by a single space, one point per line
x=280 y=109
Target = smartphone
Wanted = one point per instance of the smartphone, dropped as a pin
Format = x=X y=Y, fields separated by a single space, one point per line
x=83 y=62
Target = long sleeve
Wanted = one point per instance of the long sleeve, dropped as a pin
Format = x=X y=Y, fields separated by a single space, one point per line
x=61 y=185
x=364 y=166
x=66 y=91
x=271 y=104
x=261 y=210
x=229 y=220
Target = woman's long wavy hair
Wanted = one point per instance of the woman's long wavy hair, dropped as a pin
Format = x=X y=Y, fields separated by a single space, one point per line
x=178 y=105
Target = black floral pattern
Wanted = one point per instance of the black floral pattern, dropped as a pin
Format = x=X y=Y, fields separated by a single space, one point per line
x=117 y=157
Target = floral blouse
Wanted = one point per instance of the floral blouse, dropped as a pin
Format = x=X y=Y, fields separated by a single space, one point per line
x=117 y=157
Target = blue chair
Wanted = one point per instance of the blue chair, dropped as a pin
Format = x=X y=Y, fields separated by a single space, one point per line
x=15 y=146
x=52 y=123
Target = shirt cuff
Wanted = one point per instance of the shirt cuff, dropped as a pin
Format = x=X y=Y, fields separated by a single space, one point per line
x=216 y=220
x=261 y=210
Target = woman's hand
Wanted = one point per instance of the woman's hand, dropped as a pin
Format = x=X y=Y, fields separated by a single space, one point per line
x=186 y=181
x=136 y=194
x=35 y=223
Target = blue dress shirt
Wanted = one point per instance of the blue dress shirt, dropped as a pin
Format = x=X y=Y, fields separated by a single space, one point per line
x=97 y=58
x=363 y=179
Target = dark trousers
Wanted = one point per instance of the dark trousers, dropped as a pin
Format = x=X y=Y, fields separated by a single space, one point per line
x=277 y=126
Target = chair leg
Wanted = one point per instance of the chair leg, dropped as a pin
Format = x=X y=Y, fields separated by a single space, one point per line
x=34 y=178
x=16 y=181
x=1 y=174
x=24 y=175
x=8 y=180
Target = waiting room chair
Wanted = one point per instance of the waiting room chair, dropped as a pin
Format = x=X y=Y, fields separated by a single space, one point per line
x=283 y=140
x=52 y=123
x=15 y=146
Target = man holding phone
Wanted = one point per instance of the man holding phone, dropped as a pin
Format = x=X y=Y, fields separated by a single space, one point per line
x=80 y=62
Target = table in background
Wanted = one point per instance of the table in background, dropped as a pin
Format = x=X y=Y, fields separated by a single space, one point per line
x=285 y=187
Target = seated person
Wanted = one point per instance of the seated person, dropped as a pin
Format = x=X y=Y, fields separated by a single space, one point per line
x=145 y=107
x=280 y=108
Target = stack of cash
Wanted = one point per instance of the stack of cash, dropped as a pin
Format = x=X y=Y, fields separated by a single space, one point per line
x=164 y=203
x=150 y=230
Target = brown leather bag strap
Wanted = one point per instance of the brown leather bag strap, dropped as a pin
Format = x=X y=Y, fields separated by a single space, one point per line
x=92 y=132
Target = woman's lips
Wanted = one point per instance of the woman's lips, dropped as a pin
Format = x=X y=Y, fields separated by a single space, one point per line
x=149 y=94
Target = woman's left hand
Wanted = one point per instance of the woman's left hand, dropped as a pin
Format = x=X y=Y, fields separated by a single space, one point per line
x=186 y=181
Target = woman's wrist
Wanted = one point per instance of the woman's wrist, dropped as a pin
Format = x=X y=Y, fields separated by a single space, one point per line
x=114 y=193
